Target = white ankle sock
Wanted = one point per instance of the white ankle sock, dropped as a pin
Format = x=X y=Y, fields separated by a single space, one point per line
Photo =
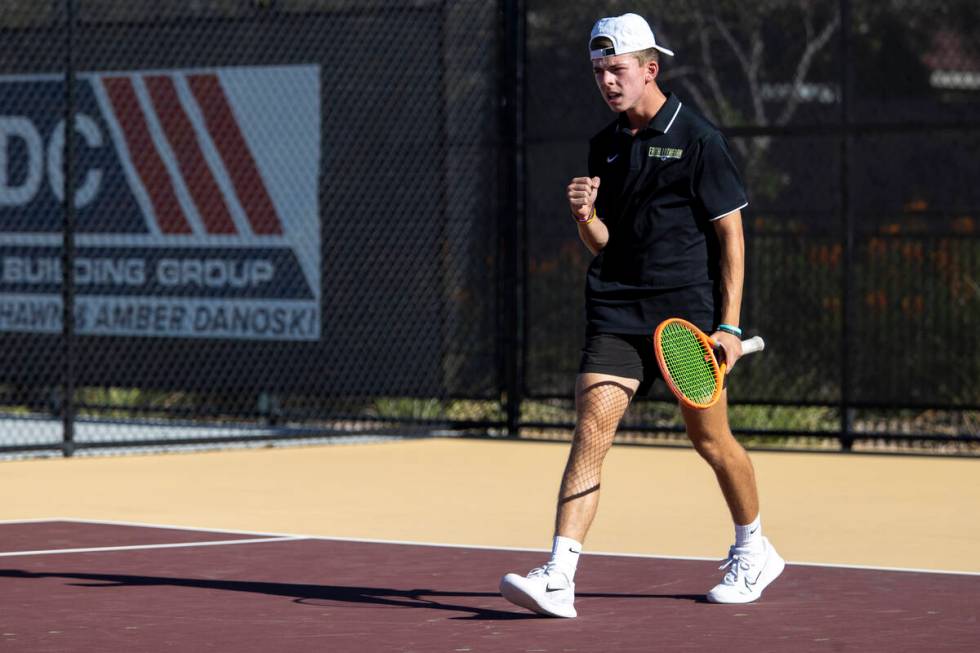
x=750 y=535
x=564 y=554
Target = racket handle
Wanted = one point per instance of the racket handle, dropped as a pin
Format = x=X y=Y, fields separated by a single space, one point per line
x=753 y=345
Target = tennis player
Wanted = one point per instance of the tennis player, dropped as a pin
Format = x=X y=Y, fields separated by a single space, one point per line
x=661 y=212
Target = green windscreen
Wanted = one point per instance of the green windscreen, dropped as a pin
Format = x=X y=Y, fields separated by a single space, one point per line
x=688 y=363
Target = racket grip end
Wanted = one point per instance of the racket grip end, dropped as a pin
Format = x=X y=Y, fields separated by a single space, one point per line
x=753 y=345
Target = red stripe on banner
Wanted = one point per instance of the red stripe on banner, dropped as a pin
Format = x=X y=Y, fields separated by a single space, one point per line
x=227 y=137
x=146 y=159
x=195 y=170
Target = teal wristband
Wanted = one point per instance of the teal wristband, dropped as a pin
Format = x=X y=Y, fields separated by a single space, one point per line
x=728 y=328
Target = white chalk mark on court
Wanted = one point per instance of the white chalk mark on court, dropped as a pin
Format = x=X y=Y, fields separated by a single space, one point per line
x=143 y=547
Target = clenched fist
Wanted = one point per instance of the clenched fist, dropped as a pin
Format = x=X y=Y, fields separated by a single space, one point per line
x=581 y=196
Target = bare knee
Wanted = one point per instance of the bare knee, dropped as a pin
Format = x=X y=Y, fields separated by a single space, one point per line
x=719 y=452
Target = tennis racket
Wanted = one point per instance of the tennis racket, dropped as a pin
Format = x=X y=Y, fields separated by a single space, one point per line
x=687 y=360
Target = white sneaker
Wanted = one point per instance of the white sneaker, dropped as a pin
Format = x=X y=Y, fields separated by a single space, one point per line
x=546 y=590
x=748 y=573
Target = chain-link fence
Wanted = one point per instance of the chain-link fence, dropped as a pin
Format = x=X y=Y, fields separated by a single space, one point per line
x=280 y=221
x=306 y=218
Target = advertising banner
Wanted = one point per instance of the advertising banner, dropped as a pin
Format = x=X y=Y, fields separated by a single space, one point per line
x=196 y=203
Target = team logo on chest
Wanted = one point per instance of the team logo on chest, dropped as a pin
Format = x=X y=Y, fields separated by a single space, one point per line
x=664 y=153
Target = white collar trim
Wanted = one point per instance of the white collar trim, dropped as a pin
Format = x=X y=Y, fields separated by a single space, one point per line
x=667 y=128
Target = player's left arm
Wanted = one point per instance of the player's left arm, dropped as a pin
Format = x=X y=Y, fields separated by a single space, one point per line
x=731 y=239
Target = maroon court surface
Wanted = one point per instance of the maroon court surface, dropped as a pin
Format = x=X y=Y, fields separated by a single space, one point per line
x=247 y=593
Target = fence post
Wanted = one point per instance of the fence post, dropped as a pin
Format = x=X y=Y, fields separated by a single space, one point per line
x=511 y=226
x=68 y=242
x=847 y=229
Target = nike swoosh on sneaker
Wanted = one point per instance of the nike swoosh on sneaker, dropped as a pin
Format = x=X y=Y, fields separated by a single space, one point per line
x=750 y=584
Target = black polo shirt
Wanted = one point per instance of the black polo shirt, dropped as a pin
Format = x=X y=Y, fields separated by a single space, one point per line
x=659 y=191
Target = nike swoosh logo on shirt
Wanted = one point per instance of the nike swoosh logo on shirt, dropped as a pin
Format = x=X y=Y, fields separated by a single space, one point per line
x=611 y=158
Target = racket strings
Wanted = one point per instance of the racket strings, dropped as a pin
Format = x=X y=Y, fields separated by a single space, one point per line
x=599 y=409
x=690 y=364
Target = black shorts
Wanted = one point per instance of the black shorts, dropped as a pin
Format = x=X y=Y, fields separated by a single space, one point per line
x=621 y=354
x=631 y=355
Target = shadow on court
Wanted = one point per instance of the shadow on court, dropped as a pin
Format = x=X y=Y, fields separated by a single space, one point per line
x=309 y=594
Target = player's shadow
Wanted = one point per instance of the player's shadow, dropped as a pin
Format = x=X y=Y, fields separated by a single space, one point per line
x=311 y=594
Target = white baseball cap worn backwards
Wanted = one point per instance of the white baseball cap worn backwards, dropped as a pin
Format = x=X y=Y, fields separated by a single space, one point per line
x=628 y=33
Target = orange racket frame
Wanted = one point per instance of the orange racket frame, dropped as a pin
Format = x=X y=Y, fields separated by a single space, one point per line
x=708 y=346
x=750 y=346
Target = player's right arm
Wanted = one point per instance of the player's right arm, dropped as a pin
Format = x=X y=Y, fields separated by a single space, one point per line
x=582 y=193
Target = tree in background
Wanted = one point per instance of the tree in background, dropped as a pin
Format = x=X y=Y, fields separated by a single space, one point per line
x=754 y=64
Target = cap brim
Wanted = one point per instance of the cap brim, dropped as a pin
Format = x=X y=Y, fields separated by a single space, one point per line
x=611 y=52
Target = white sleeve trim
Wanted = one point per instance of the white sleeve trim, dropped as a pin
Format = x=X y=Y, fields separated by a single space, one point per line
x=737 y=208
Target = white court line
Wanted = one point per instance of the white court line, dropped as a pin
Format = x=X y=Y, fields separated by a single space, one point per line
x=272 y=537
x=110 y=522
x=141 y=547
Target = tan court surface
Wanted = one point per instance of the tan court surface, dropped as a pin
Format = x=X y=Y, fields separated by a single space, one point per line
x=890 y=511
